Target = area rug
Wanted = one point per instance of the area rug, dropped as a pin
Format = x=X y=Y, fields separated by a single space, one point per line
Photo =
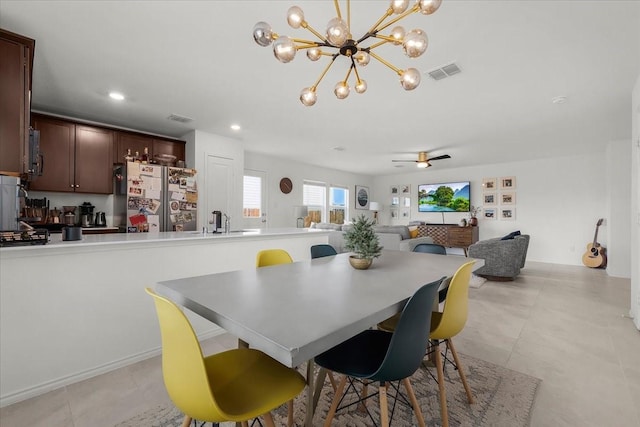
x=503 y=398
x=476 y=281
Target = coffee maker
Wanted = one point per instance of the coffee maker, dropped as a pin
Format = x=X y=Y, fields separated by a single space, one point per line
x=86 y=214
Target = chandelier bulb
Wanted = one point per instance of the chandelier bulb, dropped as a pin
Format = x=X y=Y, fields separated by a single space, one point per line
x=415 y=43
x=398 y=34
x=399 y=6
x=295 y=17
x=337 y=32
x=314 y=53
x=427 y=7
x=262 y=34
x=362 y=58
x=308 y=96
x=341 y=90
x=284 y=49
x=410 y=79
x=361 y=86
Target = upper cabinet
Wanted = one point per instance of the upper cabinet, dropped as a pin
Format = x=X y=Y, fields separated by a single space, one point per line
x=16 y=64
x=137 y=143
x=75 y=157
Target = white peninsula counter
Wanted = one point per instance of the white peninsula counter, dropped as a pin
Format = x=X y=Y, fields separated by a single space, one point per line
x=70 y=310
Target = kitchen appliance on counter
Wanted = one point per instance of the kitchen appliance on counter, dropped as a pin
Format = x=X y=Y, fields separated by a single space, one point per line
x=101 y=219
x=86 y=214
x=9 y=202
x=69 y=215
x=154 y=198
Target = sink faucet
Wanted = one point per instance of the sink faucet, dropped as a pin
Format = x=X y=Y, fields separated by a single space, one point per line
x=227 y=223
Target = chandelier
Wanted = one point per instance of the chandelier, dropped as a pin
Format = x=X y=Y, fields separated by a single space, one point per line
x=338 y=41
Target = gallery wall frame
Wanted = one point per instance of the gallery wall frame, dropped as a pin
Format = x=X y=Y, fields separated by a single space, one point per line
x=508 y=198
x=362 y=197
x=489 y=184
x=490 y=213
x=508 y=183
x=508 y=214
x=490 y=199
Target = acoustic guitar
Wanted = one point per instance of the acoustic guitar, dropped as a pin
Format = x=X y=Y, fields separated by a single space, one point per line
x=595 y=255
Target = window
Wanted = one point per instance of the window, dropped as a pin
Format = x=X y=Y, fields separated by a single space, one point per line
x=314 y=197
x=252 y=197
x=338 y=205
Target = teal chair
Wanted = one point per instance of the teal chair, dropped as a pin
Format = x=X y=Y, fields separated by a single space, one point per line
x=384 y=357
x=319 y=251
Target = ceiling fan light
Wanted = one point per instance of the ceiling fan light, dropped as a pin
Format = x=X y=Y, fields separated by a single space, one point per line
x=341 y=90
x=308 y=96
x=423 y=165
x=295 y=17
x=284 y=49
x=314 y=53
x=410 y=79
x=262 y=34
x=427 y=7
x=337 y=32
x=361 y=86
x=415 y=43
x=398 y=34
x=399 y=6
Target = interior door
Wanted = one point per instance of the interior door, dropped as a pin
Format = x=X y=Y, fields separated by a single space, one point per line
x=249 y=218
x=219 y=189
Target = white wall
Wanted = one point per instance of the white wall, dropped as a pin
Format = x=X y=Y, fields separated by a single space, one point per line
x=280 y=206
x=555 y=204
x=634 y=209
x=618 y=167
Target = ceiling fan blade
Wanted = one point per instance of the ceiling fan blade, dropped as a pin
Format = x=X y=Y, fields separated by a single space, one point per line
x=445 y=156
x=412 y=161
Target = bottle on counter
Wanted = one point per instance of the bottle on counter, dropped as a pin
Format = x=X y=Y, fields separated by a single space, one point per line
x=136 y=158
x=145 y=156
x=128 y=157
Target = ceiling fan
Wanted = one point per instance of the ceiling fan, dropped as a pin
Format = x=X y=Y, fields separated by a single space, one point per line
x=423 y=160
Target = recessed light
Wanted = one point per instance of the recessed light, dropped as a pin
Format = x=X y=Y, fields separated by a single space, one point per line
x=235 y=127
x=559 y=99
x=339 y=148
x=117 y=96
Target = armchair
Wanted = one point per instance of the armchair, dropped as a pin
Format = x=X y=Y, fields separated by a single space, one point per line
x=503 y=259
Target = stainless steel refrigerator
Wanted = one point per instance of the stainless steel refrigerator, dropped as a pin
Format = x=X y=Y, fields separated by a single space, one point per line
x=156 y=198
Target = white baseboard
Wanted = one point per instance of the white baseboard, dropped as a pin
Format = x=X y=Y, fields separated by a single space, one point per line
x=48 y=386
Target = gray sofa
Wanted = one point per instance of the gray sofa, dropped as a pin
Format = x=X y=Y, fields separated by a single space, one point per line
x=503 y=257
x=394 y=237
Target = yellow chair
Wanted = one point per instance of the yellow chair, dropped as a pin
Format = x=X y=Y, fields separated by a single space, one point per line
x=444 y=326
x=235 y=385
x=269 y=257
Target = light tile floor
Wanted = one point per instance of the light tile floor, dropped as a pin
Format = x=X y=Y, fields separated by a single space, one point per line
x=563 y=324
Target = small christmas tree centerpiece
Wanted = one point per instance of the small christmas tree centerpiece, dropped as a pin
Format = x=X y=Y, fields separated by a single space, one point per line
x=362 y=240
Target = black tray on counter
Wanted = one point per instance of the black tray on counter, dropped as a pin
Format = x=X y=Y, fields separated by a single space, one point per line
x=36 y=236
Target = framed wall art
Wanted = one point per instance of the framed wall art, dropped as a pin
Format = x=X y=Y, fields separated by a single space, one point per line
x=508 y=183
x=508 y=198
x=508 y=213
x=489 y=184
x=405 y=213
x=405 y=189
x=395 y=189
x=362 y=197
x=407 y=202
x=489 y=199
x=395 y=201
x=394 y=213
x=489 y=213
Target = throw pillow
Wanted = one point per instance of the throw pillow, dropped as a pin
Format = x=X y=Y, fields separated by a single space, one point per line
x=413 y=232
x=510 y=236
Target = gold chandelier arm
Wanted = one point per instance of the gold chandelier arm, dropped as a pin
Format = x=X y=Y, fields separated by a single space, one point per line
x=375 y=45
x=355 y=70
x=336 y=3
x=308 y=46
x=387 y=38
x=348 y=73
x=387 y=14
x=408 y=12
x=349 y=17
x=396 y=69
x=306 y=25
x=303 y=41
x=315 y=85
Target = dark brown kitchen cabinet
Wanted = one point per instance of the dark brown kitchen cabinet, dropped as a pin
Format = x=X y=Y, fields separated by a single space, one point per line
x=16 y=62
x=76 y=157
x=138 y=142
x=174 y=148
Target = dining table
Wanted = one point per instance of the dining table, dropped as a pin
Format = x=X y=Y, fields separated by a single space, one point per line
x=294 y=312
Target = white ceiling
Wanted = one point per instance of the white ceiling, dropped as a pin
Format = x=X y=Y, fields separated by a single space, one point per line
x=198 y=59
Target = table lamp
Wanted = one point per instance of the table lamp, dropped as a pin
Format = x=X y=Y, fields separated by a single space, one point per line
x=375 y=207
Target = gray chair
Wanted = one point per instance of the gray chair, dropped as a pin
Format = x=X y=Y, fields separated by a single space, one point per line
x=503 y=259
x=430 y=248
x=319 y=251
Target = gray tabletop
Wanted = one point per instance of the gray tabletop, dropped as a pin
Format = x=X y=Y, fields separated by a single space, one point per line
x=296 y=311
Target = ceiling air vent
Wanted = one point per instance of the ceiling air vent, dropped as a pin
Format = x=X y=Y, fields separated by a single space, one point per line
x=444 y=71
x=181 y=119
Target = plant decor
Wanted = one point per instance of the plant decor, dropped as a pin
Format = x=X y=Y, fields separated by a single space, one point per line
x=362 y=240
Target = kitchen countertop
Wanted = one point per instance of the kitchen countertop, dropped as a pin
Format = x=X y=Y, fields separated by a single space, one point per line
x=114 y=239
